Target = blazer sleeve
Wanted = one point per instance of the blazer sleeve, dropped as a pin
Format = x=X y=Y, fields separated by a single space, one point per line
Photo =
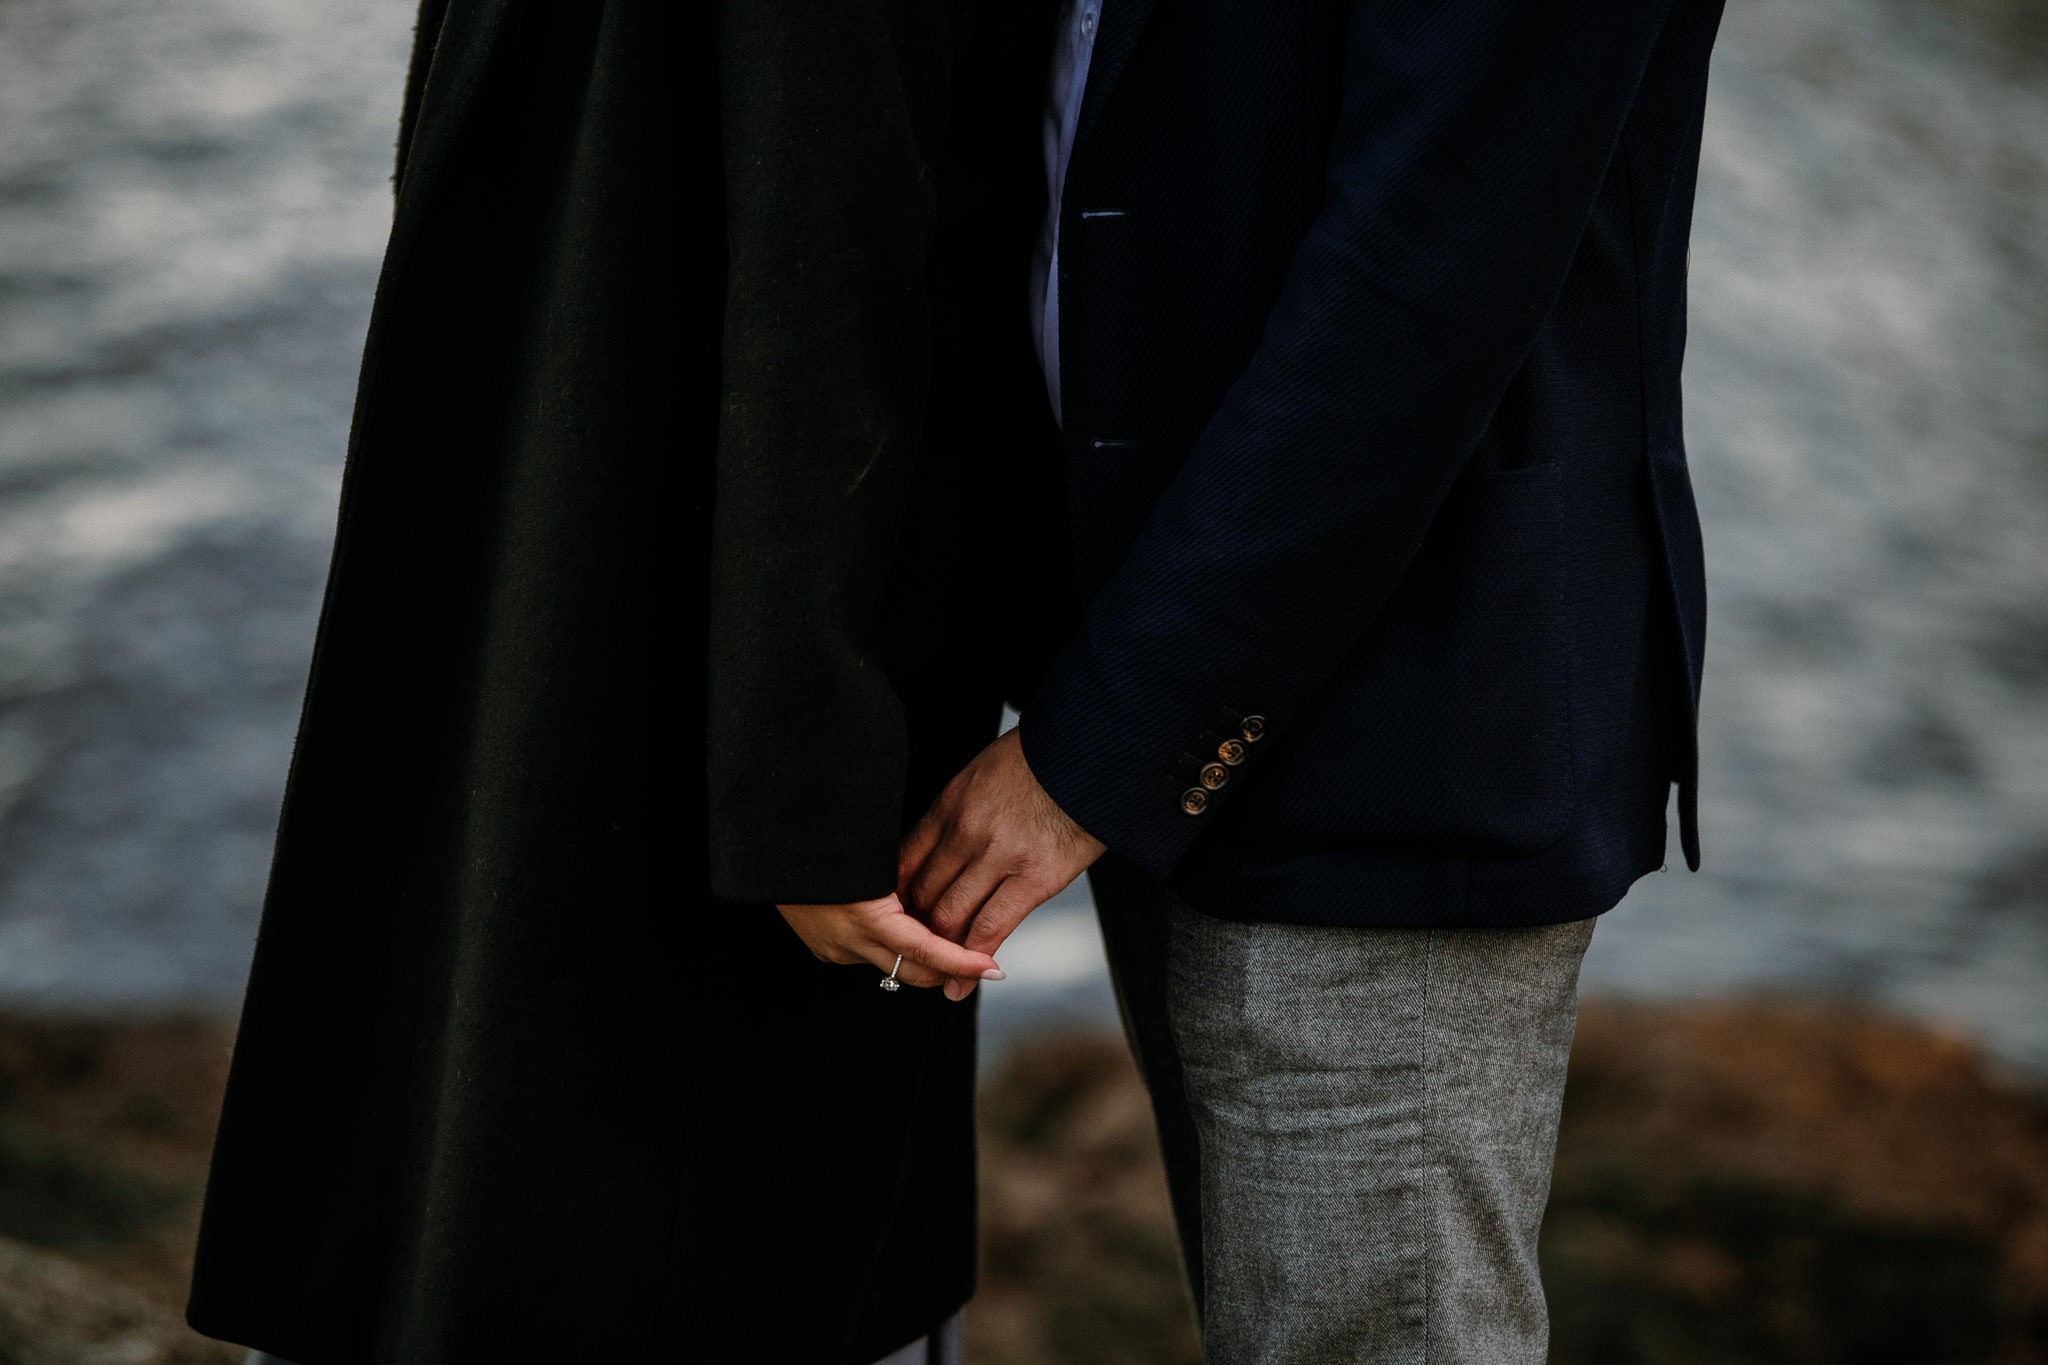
x=1471 y=144
x=829 y=114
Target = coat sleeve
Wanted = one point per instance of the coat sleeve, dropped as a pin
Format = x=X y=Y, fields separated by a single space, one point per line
x=829 y=115
x=1472 y=142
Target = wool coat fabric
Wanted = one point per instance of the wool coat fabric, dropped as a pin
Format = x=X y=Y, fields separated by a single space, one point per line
x=649 y=607
x=1371 y=323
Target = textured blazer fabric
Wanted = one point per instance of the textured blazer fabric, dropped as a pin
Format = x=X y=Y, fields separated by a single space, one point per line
x=1371 y=323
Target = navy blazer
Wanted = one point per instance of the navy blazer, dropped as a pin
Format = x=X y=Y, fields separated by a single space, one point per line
x=1371 y=321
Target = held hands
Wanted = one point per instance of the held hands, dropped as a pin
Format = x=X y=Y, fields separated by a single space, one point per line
x=993 y=848
x=876 y=931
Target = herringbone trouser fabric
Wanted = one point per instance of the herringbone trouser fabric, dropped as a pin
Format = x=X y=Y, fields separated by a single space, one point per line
x=1359 y=1124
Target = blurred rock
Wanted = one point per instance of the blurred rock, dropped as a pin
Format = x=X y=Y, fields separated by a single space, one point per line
x=1079 y=1263
x=1740 y=1182
x=1735 y=1183
x=54 y=1311
x=105 y=1128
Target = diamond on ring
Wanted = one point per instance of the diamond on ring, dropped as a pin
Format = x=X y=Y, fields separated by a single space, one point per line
x=889 y=982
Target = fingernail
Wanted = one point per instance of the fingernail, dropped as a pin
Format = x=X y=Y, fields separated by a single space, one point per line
x=955 y=991
x=995 y=974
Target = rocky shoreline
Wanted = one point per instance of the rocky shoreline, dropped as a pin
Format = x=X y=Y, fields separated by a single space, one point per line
x=1736 y=1183
x=105 y=1129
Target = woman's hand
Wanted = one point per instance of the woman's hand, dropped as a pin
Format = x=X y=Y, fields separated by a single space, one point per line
x=874 y=932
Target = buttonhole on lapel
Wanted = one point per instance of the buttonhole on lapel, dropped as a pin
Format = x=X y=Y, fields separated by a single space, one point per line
x=1103 y=213
x=1116 y=445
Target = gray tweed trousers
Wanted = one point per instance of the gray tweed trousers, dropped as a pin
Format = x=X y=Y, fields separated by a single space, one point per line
x=1358 y=1124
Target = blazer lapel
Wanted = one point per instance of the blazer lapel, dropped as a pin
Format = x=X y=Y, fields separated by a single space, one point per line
x=1122 y=21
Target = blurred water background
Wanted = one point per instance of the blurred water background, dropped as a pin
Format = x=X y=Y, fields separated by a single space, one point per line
x=193 y=201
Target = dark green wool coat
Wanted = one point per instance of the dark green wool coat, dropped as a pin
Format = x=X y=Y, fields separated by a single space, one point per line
x=677 y=503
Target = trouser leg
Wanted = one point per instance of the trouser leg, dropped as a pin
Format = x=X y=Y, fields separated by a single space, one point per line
x=1374 y=1114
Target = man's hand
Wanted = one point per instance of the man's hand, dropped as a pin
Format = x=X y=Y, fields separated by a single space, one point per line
x=875 y=931
x=993 y=848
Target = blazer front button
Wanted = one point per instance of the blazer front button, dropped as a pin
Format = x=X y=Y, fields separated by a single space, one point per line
x=1214 y=776
x=1231 y=752
x=1194 y=800
x=1253 y=729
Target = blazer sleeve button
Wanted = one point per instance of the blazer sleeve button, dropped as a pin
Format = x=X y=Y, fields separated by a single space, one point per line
x=1231 y=752
x=1194 y=800
x=1215 y=775
x=1253 y=728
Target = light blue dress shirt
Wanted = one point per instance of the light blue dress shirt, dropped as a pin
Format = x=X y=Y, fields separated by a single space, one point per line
x=1075 y=44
